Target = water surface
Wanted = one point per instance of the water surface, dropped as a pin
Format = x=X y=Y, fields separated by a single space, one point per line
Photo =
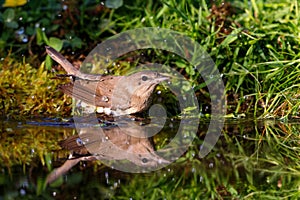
x=251 y=159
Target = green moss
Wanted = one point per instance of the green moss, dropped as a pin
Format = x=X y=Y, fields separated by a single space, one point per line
x=29 y=91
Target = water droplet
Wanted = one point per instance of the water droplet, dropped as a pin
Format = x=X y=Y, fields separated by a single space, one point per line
x=201 y=179
x=206 y=108
x=79 y=142
x=105 y=98
x=115 y=185
x=106 y=177
x=22 y=191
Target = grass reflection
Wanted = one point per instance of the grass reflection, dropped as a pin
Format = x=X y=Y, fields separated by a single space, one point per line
x=250 y=160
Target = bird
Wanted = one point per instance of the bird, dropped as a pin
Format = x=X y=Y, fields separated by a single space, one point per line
x=114 y=146
x=113 y=95
x=117 y=96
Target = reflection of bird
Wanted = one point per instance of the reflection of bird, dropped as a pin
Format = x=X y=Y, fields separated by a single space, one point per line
x=113 y=146
x=117 y=95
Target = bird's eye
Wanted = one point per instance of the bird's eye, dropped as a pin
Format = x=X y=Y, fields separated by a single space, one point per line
x=144 y=160
x=144 y=78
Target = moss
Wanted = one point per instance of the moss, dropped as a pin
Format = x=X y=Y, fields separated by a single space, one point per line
x=30 y=91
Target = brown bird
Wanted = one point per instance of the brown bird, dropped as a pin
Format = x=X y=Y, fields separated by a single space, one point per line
x=116 y=95
x=112 y=145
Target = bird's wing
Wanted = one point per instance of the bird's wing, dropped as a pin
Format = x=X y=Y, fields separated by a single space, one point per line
x=86 y=92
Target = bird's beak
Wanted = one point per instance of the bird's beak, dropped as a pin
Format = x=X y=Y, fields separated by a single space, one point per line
x=162 y=77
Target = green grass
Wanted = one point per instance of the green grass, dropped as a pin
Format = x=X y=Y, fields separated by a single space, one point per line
x=255 y=46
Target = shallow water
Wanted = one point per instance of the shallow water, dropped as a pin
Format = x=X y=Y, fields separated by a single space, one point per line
x=250 y=159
